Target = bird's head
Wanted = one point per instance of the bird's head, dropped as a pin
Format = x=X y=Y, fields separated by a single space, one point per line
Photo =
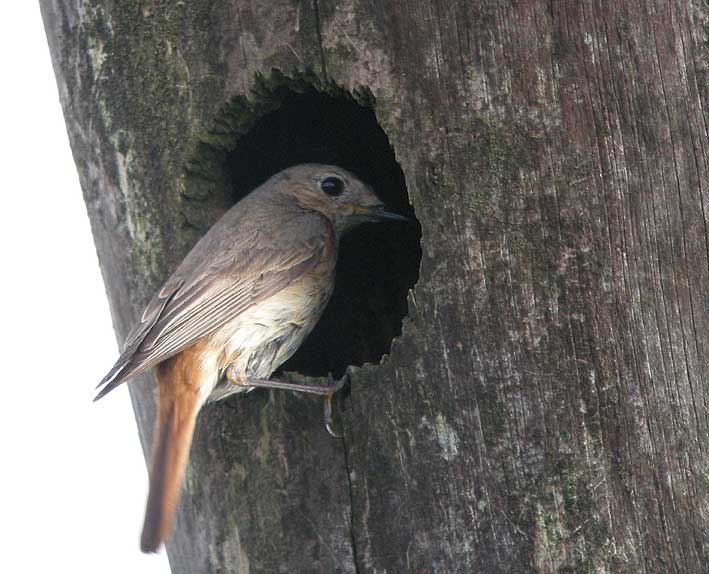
x=337 y=194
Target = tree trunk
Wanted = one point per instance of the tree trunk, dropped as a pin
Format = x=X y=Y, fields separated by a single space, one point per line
x=545 y=407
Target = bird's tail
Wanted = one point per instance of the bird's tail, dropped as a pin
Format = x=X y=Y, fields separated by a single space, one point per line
x=178 y=405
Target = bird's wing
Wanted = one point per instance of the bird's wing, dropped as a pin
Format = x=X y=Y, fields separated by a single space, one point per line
x=198 y=299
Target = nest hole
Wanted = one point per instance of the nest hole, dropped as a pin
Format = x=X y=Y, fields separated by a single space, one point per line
x=377 y=263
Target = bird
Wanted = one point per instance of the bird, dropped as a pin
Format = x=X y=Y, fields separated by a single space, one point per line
x=237 y=307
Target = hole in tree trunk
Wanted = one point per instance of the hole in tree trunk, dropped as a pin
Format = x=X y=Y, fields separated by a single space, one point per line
x=291 y=122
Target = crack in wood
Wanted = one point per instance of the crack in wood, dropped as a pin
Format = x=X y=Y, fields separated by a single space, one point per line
x=318 y=31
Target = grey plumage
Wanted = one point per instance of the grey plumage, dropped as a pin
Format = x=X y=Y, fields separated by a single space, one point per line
x=260 y=246
x=226 y=272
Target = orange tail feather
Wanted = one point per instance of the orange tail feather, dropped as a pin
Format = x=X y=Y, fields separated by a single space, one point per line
x=178 y=405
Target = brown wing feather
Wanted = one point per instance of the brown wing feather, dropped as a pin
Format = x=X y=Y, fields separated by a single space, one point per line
x=212 y=286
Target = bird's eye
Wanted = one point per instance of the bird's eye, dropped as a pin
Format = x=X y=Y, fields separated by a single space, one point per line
x=332 y=186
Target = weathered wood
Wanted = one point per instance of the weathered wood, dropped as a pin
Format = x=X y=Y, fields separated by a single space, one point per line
x=546 y=407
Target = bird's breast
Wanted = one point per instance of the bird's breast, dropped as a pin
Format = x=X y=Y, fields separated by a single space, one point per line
x=267 y=334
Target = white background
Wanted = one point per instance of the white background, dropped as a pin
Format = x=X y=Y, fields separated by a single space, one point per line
x=73 y=480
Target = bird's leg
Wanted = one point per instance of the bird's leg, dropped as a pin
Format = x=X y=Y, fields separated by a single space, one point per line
x=326 y=391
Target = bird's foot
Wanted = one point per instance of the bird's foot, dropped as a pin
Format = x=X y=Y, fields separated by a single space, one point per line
x=334 y=386
x=325 y=391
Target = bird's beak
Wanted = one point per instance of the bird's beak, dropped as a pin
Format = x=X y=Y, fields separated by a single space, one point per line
x=376 y=212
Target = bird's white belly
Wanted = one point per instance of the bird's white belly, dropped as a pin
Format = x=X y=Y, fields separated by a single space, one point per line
x=263 y=337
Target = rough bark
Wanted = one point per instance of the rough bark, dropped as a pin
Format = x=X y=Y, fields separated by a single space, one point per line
x=546 y=407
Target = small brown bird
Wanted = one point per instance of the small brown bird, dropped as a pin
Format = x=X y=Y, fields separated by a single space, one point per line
x=239 y=305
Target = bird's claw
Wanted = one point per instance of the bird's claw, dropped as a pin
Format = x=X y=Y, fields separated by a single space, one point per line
x=334 y=386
